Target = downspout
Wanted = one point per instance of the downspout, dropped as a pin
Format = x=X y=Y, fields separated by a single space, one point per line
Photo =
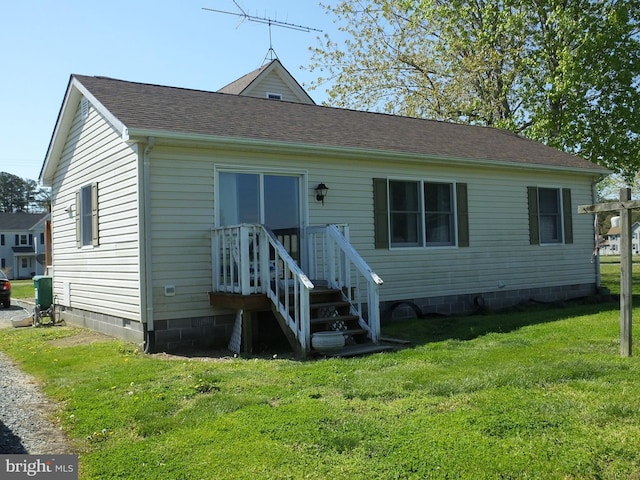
x=146 y=277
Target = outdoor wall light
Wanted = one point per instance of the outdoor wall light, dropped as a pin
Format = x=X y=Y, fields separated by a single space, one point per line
x=321 y=192
x=69 y=209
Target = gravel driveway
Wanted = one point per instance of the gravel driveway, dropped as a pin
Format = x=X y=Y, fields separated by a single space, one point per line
x=26 y=424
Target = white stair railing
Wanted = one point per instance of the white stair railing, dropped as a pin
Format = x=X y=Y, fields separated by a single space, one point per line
x=249 y=259
x=332 y=259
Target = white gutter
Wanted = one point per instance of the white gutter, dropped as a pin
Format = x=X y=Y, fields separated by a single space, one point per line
x=144 y=240
x=369 y=154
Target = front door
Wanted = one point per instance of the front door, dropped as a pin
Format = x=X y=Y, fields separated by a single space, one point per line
x=266 y=199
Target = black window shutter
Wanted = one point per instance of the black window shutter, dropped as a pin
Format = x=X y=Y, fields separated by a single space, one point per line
x=567 y=215
x=463 y=214
x=380 y=213
x=31 y=239
x=534 y=235
x=17 y=239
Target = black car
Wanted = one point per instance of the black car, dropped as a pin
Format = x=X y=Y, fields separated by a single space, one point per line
x=5 y=290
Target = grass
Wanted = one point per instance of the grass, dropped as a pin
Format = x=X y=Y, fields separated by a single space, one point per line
x=607 y=259
x=22 y=289
x=541 y=393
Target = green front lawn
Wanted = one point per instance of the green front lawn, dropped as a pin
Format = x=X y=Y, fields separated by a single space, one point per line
x=616 y=259
x=22 y=289
x=539 y=394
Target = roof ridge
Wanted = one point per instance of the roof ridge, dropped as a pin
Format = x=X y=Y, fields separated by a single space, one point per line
x=343 y=109
x=132 y=82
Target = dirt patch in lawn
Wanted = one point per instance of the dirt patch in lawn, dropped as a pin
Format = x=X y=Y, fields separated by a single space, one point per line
x=218 y=355
x=83 y=338
x=203 y=355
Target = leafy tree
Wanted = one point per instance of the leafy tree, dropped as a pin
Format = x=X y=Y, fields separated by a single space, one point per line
x=608 y=189
x=42 y=200
x=21 y=195
x=564 y=72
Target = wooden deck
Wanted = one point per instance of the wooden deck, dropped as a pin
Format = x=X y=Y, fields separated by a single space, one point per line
x=235 y=301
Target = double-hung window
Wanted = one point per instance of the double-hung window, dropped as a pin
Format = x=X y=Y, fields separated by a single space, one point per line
x=87 y=216
x=550 y=216
x=439 y=214
x=405 y=213
x=410 y=213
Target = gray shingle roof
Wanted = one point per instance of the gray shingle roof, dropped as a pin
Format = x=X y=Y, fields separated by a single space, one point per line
x=13 y=222
x=238 y=86
x=170 y=109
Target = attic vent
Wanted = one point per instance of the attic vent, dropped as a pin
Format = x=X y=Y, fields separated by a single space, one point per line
x=274 y=96
x=84 y=108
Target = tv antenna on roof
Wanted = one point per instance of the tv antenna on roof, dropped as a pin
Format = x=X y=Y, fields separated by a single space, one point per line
x=266 y=20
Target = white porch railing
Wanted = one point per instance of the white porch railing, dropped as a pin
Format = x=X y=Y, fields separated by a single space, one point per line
x=248 y=259
x=332 y=259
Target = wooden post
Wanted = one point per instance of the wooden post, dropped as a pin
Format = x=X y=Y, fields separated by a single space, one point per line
x=626 y=267
x=624 y=206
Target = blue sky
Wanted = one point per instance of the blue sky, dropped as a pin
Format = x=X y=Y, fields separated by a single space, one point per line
x=168 y=42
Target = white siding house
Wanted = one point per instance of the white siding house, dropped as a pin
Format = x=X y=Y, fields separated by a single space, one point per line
x=611 y=241
x=149 y=182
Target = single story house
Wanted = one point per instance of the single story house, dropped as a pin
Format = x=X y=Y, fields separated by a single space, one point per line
x=183 y=216
x=22 y=244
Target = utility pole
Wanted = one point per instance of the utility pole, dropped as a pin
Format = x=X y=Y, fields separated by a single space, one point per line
x=624 y=206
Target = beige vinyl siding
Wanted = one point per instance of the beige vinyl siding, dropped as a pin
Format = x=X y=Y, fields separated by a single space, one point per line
x=499 y=244
x=182 y=200
x=498 y=230
x=271 y=83
x=499 y=250
x=102 y=279
x=181 y=218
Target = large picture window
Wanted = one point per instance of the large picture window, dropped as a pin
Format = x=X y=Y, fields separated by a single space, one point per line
x=412 y=213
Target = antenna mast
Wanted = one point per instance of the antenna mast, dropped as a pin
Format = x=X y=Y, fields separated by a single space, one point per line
x=265 y=20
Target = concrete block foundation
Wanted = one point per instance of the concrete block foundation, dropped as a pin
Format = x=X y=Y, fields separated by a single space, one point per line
x=466 y=304
x=170 y=335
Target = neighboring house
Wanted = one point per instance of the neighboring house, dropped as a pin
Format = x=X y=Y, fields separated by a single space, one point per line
x=611 y=243
x=22 y=244
x=161 y=197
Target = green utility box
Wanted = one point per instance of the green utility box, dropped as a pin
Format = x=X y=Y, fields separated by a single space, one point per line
x=44 y=291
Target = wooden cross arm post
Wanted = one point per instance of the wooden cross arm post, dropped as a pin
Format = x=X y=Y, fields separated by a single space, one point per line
x=609 y=207
x=624 y=206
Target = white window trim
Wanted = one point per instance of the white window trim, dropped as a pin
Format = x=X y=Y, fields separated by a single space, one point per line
x=558 y=190
x=423 y=240
x=304 y=186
